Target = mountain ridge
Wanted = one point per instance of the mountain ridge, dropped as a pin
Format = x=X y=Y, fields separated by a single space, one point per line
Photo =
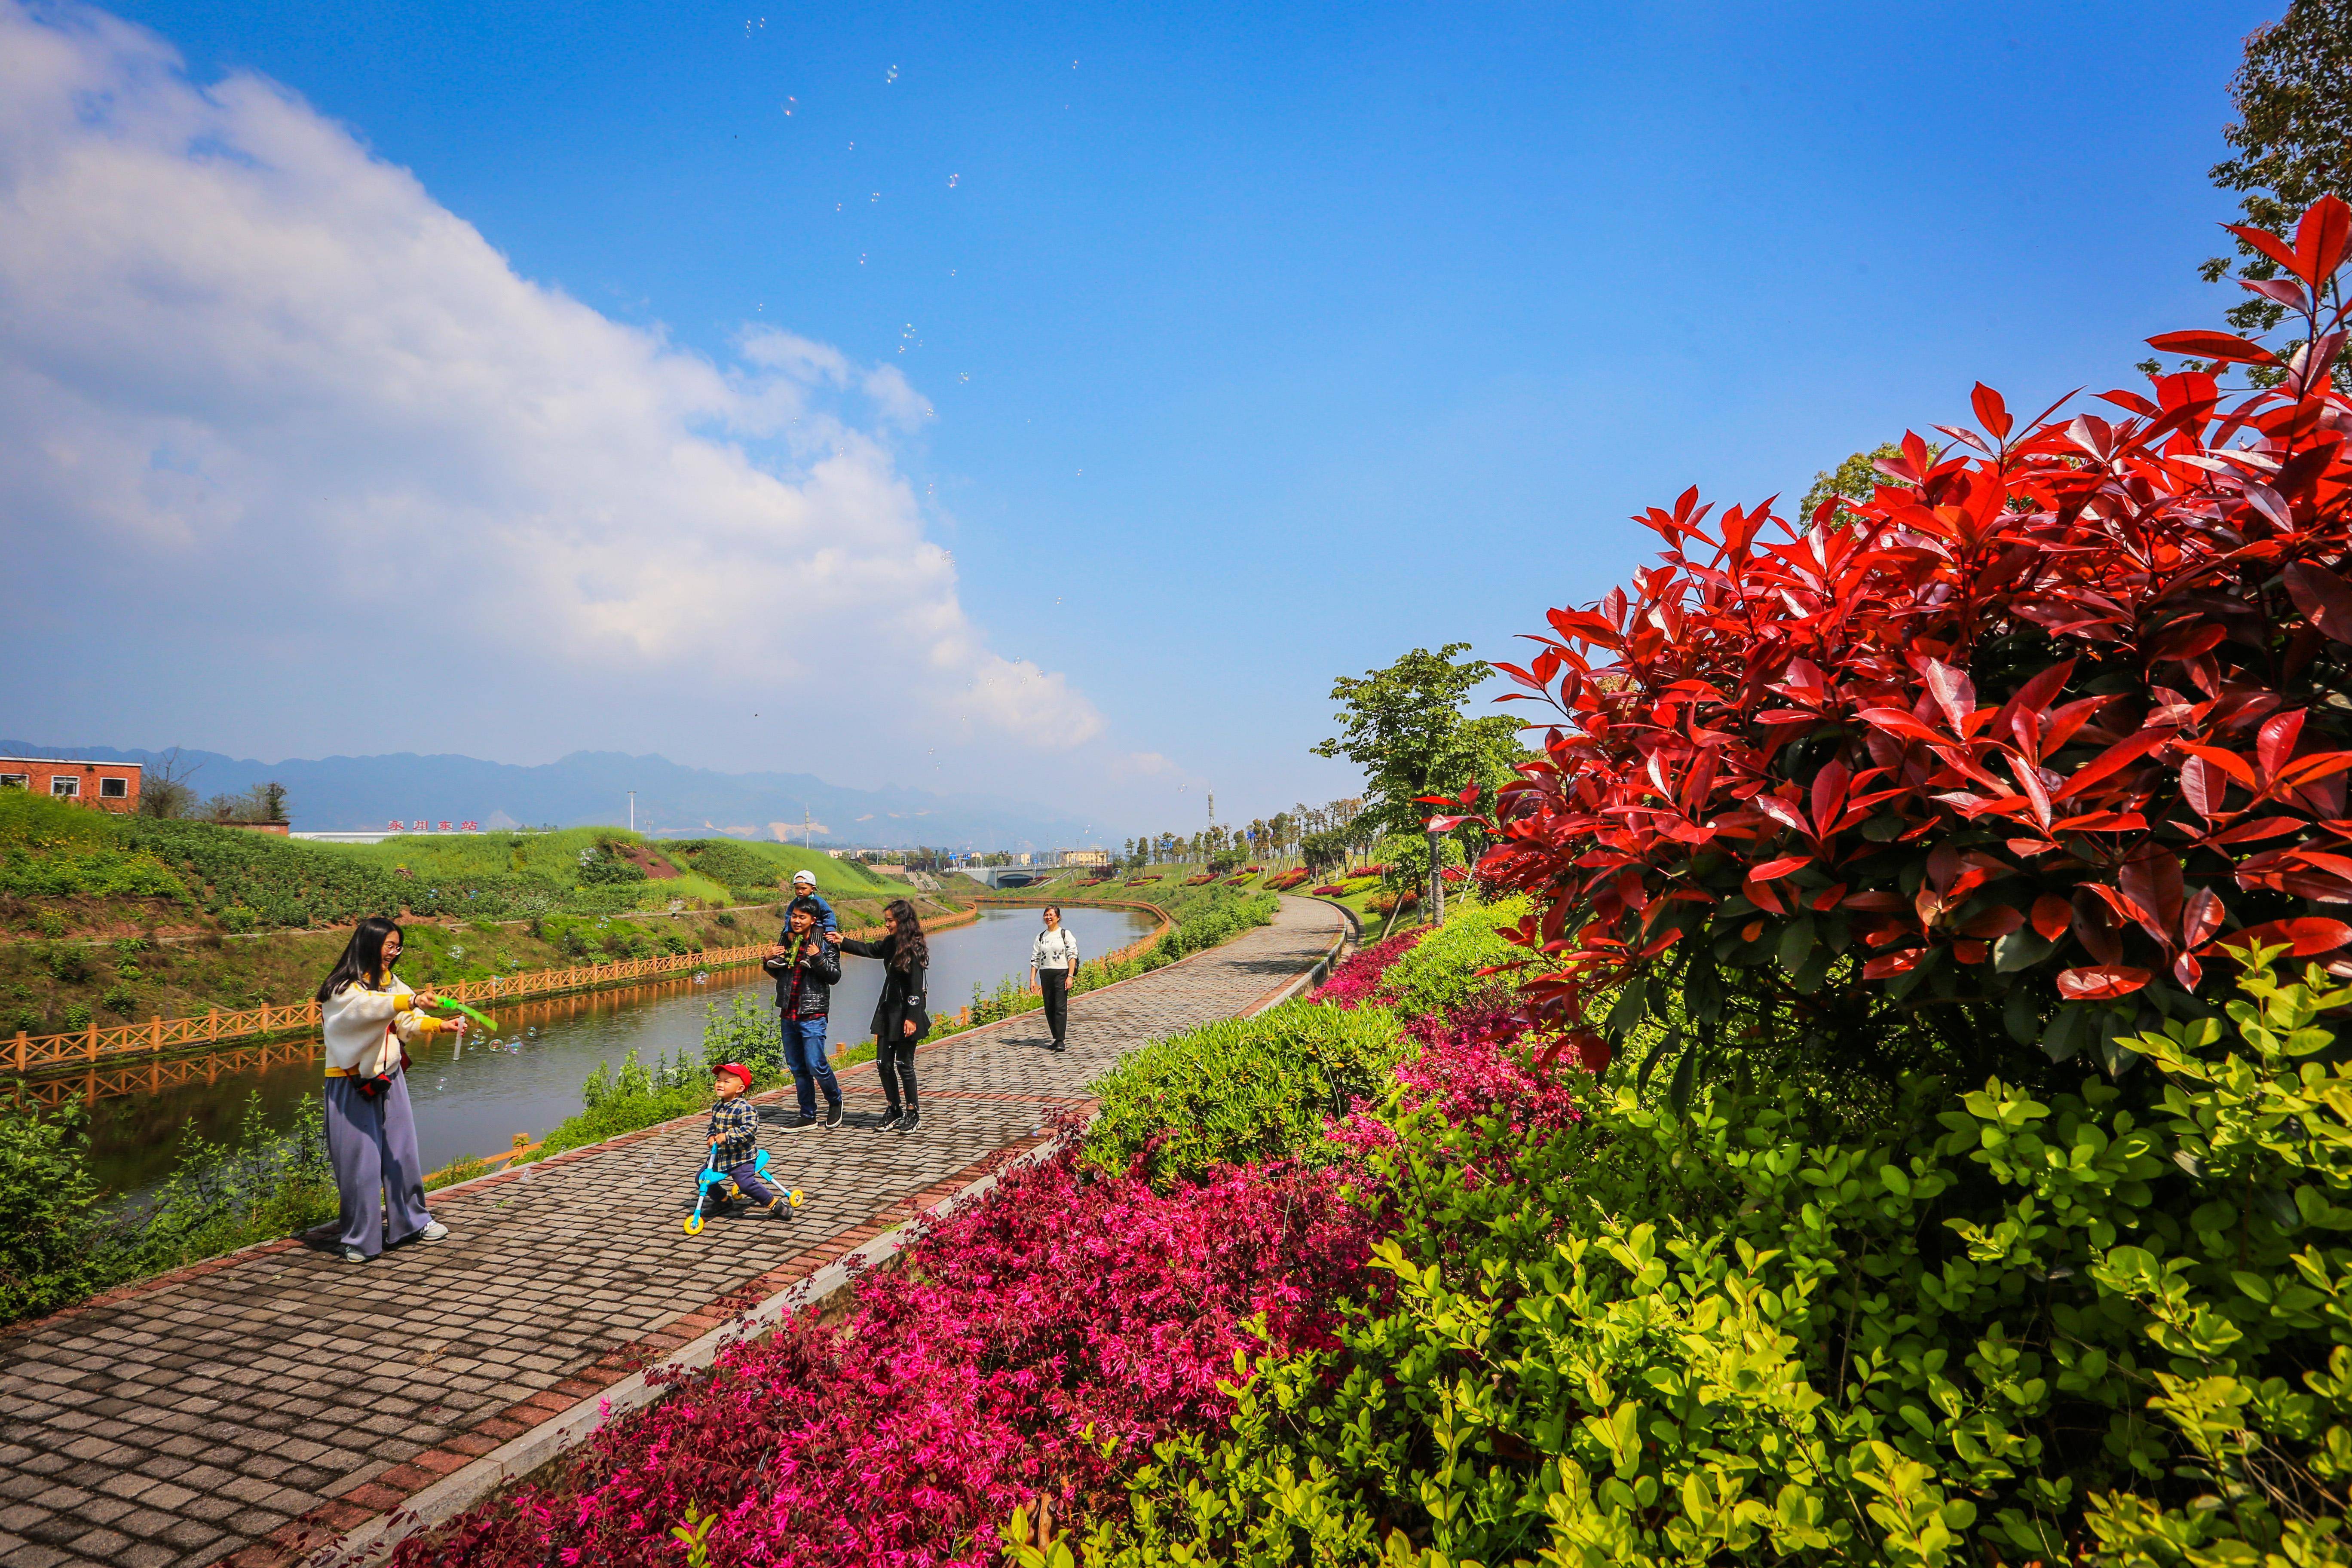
x=591 y=788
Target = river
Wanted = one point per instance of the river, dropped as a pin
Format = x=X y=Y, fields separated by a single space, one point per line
x=472 y=1097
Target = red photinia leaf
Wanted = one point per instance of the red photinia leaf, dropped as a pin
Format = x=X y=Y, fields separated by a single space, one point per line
x=2325 y=598
x=1892 y=963
x=2116 y=758
x=1592 y=1052
x=2302 y=937
x=2050 y=914
x=2319 y=239
x=1998 y=920
x=2101 y=983
x=2200 y=917
x=1991 y=412
x=1780 y=867
x=2269 y=243
x=2225 y=346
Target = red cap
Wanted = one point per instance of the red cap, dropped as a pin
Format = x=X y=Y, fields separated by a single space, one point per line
x=737 y=1068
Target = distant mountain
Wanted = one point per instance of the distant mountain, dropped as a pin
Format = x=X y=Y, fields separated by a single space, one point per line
x=591 y=787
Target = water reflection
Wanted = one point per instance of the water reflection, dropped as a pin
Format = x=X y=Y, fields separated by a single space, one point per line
x=472 y=1099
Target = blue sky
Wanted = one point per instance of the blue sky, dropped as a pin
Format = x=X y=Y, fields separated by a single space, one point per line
x=1239 y=347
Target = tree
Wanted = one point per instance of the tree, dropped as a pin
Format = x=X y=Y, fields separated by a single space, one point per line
x=1404 y=727
x=1324 y=853
x=164 y=790
x=1853 y=479
x=2293 y=143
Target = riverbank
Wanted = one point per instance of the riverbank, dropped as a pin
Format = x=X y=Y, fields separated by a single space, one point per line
x=107 y=921
x=474 y=961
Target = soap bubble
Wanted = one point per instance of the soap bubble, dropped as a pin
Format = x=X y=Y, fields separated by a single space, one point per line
x=954 y=180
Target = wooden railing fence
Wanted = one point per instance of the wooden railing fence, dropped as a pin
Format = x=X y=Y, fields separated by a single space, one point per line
x=86 y=1048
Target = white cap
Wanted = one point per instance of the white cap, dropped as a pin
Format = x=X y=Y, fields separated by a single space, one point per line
x=804 y=876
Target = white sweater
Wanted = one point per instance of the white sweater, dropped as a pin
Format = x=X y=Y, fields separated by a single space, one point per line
x=358 y=1023
x=1055 y=950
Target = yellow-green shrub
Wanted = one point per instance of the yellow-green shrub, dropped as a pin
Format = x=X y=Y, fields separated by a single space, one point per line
x=1984 y=1328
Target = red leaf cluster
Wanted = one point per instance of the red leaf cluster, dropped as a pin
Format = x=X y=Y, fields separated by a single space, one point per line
x=1036 y=1346
x=2049 y=719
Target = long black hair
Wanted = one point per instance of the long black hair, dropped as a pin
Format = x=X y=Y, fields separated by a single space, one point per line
x=362 y=960
x=908 y=950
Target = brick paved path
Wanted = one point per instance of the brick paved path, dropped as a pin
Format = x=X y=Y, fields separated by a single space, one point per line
x=267 y=1403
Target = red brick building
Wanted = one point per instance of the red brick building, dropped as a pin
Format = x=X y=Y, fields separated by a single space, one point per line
x=111 y=787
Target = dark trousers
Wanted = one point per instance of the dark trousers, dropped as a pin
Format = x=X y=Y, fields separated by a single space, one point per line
x=805 y=1054
x=1055 y=983
x=747 y=1176
x=895 y=1059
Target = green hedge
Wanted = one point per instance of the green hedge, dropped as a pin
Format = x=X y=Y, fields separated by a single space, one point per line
x=1440 y=973
x=1990 y=1328
x=1242 y=1090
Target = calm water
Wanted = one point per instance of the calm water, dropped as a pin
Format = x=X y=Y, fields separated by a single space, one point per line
x=472 y=1096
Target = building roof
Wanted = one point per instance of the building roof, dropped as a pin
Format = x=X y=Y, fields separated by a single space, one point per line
x=66 y=762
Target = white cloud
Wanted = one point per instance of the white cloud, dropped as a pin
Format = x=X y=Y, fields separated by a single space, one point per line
x=267 y=410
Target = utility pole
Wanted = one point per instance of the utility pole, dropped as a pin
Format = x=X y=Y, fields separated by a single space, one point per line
x=633 y=811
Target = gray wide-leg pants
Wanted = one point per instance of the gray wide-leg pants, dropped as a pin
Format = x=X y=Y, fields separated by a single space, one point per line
x=373 y=1146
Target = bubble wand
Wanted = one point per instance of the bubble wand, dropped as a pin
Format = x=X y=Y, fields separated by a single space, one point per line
x=489 y=1025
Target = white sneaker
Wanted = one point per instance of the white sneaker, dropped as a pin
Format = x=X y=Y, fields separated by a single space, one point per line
x=434 y=1231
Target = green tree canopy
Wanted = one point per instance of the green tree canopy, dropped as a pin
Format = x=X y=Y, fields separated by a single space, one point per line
x=1405 y=728
x=1854 y=480
x=2292 y=137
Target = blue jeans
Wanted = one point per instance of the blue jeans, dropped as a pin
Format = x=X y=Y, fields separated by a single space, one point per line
x=805 y=1054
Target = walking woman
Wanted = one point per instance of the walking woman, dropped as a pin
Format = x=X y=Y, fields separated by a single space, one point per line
x=1053 y=964
x=368 y=1012
x=899 y=1020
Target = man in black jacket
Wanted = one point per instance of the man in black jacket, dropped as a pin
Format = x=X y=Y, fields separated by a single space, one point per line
x=806 y=970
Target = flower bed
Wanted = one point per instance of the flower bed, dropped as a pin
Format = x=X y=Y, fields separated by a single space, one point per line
x=1356 y=976
x=1036 y=1344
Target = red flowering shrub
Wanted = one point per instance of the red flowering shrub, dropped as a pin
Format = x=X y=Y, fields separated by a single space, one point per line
x=963 y=1384
x=2006 y=752
x=1288 y=880
x=1329 y=889
x=1472 y=1065
x=1358 y=975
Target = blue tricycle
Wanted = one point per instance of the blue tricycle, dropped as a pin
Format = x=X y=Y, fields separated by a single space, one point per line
x=712 y=1177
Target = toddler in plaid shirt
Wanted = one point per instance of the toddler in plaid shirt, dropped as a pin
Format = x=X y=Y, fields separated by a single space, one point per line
x=735 y=1134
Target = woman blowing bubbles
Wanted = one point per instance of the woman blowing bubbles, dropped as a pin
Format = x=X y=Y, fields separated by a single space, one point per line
x=368 y=1012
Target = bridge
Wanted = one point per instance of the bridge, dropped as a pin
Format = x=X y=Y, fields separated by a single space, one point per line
x=1009 y=875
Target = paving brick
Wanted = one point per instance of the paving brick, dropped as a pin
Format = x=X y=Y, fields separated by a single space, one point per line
x=216 y=1405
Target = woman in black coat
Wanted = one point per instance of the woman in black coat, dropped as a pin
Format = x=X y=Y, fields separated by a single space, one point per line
x=900 y=1018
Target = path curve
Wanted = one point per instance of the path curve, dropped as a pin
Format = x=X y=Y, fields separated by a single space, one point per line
x=216 y=1413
